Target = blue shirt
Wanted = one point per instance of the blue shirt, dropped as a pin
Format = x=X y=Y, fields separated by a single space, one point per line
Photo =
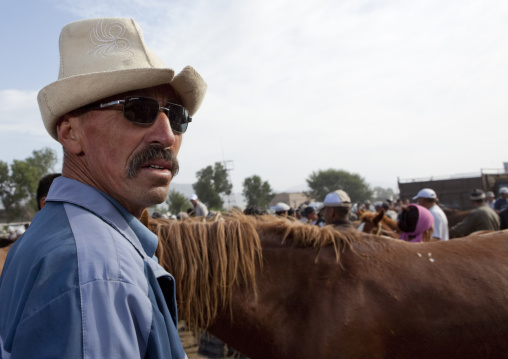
x=82 y=283
x=501 y=204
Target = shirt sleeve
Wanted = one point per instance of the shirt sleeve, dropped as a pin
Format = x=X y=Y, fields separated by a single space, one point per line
x=53 y=331
x=465 y=227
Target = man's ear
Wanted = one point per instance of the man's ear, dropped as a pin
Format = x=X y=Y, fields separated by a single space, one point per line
x=42 y=202
x=68 y=134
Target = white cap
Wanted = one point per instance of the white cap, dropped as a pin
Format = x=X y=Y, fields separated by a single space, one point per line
x=193 y=197
x=490 y=194
x=337 y=198
x=426 y=193
x=503 y=190
x=281 y=207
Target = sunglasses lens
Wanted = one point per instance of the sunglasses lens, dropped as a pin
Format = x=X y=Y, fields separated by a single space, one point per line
x=178 y=117
x=144 y=110
x=141 y=110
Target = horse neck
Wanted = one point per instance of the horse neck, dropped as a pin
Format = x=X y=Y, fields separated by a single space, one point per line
x=390 y=223
x=286 y=284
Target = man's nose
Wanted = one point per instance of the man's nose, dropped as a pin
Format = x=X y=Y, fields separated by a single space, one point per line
x=161 y=132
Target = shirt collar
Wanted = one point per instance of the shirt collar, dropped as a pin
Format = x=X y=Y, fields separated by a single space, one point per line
x=72 y=191
x=148 y=239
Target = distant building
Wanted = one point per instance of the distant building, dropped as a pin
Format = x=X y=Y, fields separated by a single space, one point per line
x=453 y=192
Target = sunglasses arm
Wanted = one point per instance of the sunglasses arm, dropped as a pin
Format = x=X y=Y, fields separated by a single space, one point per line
x=112 y=103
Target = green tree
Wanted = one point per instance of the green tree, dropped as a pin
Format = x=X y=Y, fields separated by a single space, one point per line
x=19 y=185
x=323 y=182
x=177 y=202
x=212 y=181
x=257 y=192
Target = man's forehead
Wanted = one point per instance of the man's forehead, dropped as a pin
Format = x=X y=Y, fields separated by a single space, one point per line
x=163 y=93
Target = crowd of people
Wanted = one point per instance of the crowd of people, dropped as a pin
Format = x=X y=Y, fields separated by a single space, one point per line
x=413 y=219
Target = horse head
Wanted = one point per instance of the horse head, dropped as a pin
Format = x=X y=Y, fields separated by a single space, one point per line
x=377 y=224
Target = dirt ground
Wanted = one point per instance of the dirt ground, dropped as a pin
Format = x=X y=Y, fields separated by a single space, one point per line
x=191 y=344
x=189 y=341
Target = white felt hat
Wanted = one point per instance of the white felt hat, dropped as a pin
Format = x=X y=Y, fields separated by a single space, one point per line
x=337 y=198
x=281 y=207
x=103 y=57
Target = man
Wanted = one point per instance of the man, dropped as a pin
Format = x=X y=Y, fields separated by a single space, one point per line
x=480 y=218
x=503 y=219
x=378 y=206
x=335 y=210
x=389 y=212
x=82 y=281
x=43 y=188
x=309 y=215
x=427 y=198
x=502 y=201
x=490 y=199
x=42 y=192
x=367 y=206
x=281 y=209
x=200 y=209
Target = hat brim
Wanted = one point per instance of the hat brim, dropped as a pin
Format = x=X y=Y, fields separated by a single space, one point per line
x=344 y=205
x=70 y=93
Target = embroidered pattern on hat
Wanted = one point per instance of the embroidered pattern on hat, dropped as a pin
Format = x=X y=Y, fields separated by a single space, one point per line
x=108 y=40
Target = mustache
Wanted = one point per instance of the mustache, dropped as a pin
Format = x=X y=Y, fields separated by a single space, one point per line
x=152 y=153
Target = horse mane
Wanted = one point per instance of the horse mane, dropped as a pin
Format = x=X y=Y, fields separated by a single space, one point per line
x=211 y=259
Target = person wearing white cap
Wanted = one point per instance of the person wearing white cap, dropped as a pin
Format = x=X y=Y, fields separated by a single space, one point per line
x=481 y=218
x=200 y=209
x=427 y=198
x=335 y=210
x=87 y=284
x=490 y=199
x=502 y=201
x=367 y=206
x=281 y=209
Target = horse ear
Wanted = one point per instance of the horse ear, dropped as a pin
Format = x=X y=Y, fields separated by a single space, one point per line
x=145 y=217
x=379 y=217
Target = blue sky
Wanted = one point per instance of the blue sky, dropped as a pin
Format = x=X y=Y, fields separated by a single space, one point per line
x=386 y=89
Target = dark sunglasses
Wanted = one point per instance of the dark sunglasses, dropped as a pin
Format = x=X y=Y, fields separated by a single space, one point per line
x=144 y=111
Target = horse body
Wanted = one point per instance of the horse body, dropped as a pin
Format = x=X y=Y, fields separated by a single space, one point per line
x=350 y=295
x=5 y=245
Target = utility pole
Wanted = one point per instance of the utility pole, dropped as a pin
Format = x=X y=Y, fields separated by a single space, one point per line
x=229 y=166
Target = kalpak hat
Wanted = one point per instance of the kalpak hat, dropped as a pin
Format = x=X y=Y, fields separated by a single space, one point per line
x=103 y=57
x=281 y=207
x=477 y=194
x=337 y=198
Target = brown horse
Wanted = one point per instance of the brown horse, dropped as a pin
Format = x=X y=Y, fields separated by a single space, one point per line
x=454 y=216
x=378 y=224
x=272 y=288
x=5 y=245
